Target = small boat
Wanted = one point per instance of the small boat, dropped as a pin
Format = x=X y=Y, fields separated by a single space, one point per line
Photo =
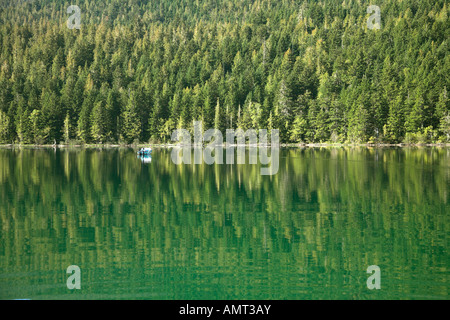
x=144 y=151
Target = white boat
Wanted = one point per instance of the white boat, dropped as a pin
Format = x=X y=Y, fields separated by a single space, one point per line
x=145 y=151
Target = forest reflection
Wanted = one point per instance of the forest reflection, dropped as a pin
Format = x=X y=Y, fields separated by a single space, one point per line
x=153 y=229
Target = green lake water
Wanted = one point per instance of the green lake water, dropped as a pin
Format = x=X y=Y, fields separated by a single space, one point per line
x=163 y=231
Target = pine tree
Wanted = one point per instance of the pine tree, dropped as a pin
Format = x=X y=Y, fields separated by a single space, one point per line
x=415 y=119
x=67 y=129
x=4 y=128
x=394 y=128
x=23 y=125
x=219 y=118
x=358 y=123
x=99 y=123
x=283 y=112
x=40 y=132
x=112 y=109
x=207 y=108
x=443 y=113
x=84 y=121
x=299 y=129
x=131 y=122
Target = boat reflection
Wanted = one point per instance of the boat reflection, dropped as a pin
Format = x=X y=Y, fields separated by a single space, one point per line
x=145 y=158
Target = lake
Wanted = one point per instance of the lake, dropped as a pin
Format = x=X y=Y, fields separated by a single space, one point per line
x=156 y=230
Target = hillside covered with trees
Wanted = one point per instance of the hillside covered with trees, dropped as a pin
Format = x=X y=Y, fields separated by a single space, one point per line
x=136 y=70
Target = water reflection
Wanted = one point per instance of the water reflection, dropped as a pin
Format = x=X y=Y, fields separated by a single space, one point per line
x=166 y=231
x=145 y=158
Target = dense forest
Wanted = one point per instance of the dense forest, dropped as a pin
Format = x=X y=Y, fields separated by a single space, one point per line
x=136 y=70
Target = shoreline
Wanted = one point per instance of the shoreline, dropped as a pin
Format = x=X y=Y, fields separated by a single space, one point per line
x=282 y=145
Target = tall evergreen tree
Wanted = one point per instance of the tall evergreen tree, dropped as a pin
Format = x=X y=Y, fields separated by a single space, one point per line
x=131 y=123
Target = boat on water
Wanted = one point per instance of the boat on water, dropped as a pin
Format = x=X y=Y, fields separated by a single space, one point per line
x=145 y=151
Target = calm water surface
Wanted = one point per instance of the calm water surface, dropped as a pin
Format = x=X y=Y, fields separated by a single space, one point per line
x=161 y=231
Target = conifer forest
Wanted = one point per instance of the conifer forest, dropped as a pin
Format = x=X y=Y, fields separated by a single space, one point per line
x=136 y=70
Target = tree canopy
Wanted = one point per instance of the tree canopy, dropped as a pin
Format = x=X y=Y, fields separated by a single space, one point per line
x=137 y=70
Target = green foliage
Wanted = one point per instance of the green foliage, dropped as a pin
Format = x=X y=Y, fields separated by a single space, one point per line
x=317 y=75
x=40 y=131
x=299 y=129
x=67 y=129
x=99 y=123
x=131 y=121
x=4 y=127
